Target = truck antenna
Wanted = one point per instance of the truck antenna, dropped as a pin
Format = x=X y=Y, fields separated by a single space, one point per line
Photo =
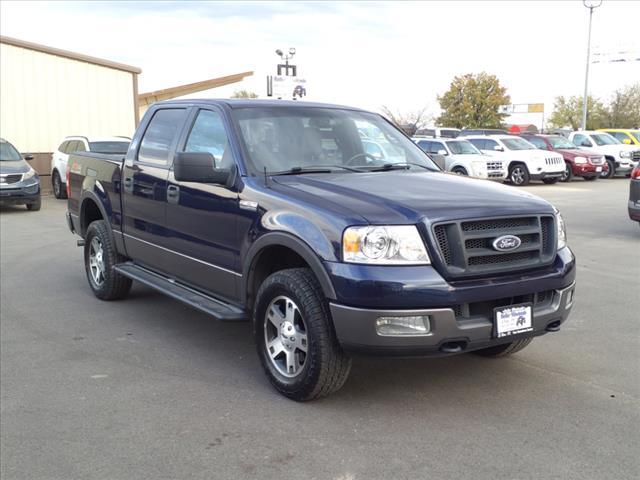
x=266 y=179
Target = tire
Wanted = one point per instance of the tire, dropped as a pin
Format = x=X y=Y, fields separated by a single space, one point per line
x=460 y=171
x=519 y=174
x=567 y=176
x=104 y=281
x=505 y=349
x=298 y=308
x=35 y=206
x=611 y=172
x=550 y=181
x=591 y=179
x=59 y=189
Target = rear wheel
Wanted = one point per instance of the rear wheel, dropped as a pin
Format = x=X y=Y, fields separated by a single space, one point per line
x=100 y=259
x=59 y=190
x=611 y=171
x=504 y=349
x=519 y=174
x=567 y=175
x=295 y=339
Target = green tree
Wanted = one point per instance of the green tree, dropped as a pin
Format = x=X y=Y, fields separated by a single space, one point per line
x=472 y=101
x=567 y=112
x=244 y=94
x=624 y=109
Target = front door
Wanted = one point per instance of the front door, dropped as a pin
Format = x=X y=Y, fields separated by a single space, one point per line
x=202 y=217
x=144 y=189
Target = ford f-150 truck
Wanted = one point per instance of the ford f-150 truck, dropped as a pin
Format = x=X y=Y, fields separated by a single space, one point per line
x=274 y=212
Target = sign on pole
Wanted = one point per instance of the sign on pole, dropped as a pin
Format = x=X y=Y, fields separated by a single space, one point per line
x=287 y=88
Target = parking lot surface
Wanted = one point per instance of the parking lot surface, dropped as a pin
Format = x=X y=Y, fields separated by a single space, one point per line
x=148 y=388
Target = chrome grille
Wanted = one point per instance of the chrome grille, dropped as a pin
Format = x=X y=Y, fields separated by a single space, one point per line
x=494 y=165
x=553 y=161
x=597 y=160
x=10 y=178
x=635 y=156
x=466 y=246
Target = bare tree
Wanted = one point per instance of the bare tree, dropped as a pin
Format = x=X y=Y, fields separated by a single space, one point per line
x=409 y=121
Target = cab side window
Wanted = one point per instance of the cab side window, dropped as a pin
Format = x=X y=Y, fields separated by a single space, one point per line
x=619 y=135
x=478 y=143
x=490 y=144
x=208 y=135
x=436 y=147
x=581 y=141
x=160 y=135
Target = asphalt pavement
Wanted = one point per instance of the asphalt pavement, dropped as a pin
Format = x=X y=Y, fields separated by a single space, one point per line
x=146 y=388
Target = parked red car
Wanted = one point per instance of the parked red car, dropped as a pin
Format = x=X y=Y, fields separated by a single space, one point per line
x=579 y=163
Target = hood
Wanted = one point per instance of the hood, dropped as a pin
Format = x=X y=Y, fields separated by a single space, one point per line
x=401 y=197
x=473 y=157
x=536 y=155
x=614 y=149
x=17 y=166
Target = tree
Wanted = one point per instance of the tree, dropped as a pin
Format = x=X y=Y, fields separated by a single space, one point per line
x=410 y=122
x=567 y=112
x=624 y=109
x=472 y=101
x=244 y=94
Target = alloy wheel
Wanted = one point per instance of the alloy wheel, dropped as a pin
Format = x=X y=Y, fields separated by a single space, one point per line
x=517 y=175
x=285 y=336
x=96 y=261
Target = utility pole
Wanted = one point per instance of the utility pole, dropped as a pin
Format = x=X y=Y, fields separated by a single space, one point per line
x=591 y=5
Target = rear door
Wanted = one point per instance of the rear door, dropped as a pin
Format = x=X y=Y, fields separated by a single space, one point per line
x=144 y=189
x=202 y=217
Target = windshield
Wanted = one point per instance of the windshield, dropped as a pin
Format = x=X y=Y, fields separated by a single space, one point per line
x=604 y=139
x=462 y=147
x=516 y=143
x=8 y=153
x=561 y=142
x=635 y=134
x=109 y=147
x=281 y=139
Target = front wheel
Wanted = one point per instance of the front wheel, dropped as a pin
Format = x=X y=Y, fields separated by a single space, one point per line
x=100 y=259
x=295 y=339
x=611 y=172
x=505 y=349
x=460 y=171
x=35 y=205
x=567 y=175
x=519 y=175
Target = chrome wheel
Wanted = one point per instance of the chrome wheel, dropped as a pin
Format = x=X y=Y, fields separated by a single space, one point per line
x=285 y=336
x=96 y=261
x=517 y=175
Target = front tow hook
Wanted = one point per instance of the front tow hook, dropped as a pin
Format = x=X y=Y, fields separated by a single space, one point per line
x=452 y=347
x=553 y=326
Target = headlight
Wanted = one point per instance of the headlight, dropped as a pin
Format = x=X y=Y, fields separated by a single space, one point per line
x=624 y=154
x=580 y=160
x=562 y=231
x=384 y=245
x=30 y=174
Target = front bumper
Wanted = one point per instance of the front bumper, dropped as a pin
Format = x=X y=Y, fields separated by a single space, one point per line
x=589 y=170
x=545 y=175
x=449 y=334
x=17 y=194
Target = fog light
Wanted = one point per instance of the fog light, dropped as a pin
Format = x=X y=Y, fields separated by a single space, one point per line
x=569 y=302
x=403 y=326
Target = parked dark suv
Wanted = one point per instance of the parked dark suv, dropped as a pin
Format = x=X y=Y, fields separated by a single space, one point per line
x=19 y=183
x=578 y=163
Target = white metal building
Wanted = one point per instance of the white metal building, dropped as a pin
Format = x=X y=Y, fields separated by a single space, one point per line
x=47 y=94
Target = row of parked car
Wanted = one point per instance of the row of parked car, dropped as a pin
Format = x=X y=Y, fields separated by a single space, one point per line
x=525 y=157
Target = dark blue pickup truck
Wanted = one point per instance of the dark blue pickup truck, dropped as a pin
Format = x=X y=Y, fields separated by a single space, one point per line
x=274 y=212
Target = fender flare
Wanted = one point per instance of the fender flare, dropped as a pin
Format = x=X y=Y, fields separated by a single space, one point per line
x=294 y=243
x=89 y=195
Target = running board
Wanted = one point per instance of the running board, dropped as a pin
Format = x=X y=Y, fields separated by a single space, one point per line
x=209 y=305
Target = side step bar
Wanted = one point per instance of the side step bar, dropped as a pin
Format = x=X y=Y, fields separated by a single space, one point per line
x=216 y=308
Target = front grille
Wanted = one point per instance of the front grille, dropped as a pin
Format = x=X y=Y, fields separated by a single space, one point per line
x=485 y=308
x=597 y=160
x=553 y=161
x=466 y=246
x=13 y=178
x=494 y=165
x=635 y=156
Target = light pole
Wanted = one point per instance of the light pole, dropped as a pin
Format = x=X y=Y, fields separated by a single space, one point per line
x=286 y=66
x=591 y=5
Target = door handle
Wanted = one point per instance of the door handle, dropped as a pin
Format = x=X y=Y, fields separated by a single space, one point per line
x=128 y=181
x=173 y=191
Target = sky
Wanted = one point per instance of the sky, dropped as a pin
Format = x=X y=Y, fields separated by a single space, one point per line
x=364 y=54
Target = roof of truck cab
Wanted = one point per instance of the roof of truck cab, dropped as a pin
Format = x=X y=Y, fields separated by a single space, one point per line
x=252 y=103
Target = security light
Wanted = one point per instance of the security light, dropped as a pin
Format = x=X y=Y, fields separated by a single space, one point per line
x=292 y=51
x=592 y=3
x=279 y=52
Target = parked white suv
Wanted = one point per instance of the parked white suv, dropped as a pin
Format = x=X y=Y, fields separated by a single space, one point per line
x=461 y=157
x=523 y=160
x=108 y=145
x=621 y=158
x=438 y=132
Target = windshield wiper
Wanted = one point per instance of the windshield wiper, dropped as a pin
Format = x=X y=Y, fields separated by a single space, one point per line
x=313 y=169
x=399 y=166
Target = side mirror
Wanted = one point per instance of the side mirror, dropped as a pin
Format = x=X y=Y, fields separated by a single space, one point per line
x=498 y=148
x=28 y=157
x=199 y=167
x=585 y=143
x=442 y=152
x=626 y=141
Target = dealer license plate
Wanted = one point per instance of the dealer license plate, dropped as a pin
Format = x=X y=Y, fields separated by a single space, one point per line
x=598 y=169
x=512 y=320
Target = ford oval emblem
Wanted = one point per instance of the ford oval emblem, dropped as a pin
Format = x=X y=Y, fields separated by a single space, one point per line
x=506 y=243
